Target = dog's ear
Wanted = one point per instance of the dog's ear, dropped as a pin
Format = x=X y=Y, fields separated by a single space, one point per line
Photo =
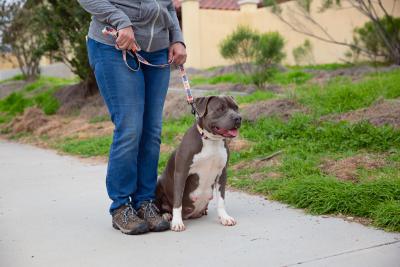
x=201 y=104
x=231 y=101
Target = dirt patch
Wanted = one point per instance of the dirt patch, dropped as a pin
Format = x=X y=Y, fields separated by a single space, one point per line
x=76 y=127
x=7 y=88
x=383 y=112
x=175 y=106
x=164 y=148
x=346 y=169
x=71 y=99
x=361 y=220
x=259 y=176
x=31 y=120
x=257 y=164
x=282 y=108
x=238 y=144
x=73 y=102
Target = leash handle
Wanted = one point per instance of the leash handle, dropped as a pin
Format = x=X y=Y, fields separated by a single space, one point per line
x=109 y=31
x=114 y=33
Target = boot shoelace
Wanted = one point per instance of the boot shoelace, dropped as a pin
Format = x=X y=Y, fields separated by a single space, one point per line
x=128 y=213
x=150 y=210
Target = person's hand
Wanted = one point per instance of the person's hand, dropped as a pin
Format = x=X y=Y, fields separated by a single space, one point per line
x=126 y=39
x=177 y=51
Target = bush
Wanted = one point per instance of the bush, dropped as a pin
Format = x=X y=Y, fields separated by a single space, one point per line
x=367 y=40
x=303 y=53
x=254 y=53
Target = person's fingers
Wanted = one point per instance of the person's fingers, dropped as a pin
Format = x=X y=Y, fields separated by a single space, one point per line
x=126 y=38
x=171 y=54
x=131 y=47
x=179 y=58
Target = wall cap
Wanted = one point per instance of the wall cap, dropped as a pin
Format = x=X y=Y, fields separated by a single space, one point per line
x=243 y=2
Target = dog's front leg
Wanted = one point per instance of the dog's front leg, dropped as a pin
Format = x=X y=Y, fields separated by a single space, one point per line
x=180 y=177
x=224 y=218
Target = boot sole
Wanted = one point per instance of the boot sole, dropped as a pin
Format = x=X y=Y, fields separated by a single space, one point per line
x=142 y=229
x=161 y=227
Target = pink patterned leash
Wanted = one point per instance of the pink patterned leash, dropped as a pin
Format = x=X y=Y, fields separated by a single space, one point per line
x=139 y=59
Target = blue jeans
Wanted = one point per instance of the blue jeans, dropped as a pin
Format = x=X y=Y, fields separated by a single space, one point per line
x=135 y=101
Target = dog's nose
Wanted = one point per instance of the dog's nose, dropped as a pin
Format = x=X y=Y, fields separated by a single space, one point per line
x=238 y=121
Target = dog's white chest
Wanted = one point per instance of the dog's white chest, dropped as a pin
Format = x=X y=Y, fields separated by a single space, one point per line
x=208 y=165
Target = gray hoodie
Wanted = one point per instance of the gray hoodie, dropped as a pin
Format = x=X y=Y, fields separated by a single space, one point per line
x=154 y=22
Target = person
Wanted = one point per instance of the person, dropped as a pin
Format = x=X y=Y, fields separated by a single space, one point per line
x=135 y=100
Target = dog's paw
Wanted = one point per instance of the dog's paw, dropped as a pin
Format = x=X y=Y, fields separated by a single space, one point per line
x=177 y=226
x=227 y=220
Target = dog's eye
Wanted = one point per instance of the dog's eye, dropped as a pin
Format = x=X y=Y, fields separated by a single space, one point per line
x=221 y=108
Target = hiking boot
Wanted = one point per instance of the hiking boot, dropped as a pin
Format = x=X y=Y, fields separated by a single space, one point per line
x=149 y=212
x=126 y=220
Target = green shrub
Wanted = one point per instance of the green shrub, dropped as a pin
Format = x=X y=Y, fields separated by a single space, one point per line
x=47 y=102
x=239 y=46
x=15 y=103
x=254 y=53
x=303 y=53
x=368 y=41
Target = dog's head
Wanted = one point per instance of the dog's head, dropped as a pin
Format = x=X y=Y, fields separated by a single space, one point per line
x=219 y=115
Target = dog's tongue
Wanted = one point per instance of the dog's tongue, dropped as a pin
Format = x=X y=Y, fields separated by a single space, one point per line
x=227 y=133
x=233 y=132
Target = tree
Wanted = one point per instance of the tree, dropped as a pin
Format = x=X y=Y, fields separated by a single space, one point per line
x=293 y=17
x=21 y=37
x=66 y=24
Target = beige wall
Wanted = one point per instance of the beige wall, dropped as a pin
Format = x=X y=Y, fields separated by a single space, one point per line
x=9 y=61
x=204 y=29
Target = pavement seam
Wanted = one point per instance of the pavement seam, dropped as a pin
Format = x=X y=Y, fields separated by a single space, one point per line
x=343 y=253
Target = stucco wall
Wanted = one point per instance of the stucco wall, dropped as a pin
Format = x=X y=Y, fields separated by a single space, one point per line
x=204 y=29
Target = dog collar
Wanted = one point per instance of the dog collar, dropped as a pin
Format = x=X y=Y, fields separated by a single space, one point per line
x=207 y=135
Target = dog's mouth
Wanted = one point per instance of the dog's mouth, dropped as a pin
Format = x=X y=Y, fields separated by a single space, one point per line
x=225 y=132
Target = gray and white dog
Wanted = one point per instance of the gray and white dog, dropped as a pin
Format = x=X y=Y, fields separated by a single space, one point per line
x=199 y=164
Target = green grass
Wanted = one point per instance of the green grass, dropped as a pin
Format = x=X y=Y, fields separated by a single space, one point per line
x=97 y=146
x=282 y=78
x=327 y=67
x=15 y=103
x=173 y=128
x=18 y=77
x=387 y=215
x=342 y=95
x=226 y=78
x=290 y=77
x=254 y=97
x=39 y=93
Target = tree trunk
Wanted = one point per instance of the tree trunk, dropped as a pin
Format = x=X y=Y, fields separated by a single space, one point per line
x=90 y=86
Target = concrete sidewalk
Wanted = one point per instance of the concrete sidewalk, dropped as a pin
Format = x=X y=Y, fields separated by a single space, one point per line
x=53 y=212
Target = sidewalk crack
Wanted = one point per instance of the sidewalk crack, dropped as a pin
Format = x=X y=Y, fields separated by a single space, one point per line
x=343 y=253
